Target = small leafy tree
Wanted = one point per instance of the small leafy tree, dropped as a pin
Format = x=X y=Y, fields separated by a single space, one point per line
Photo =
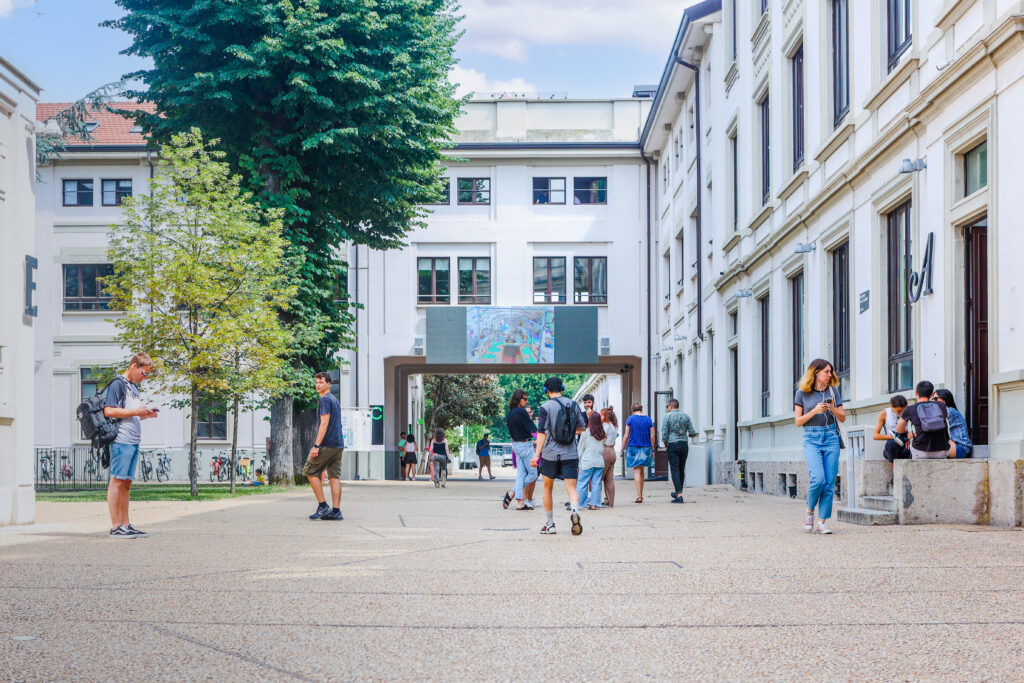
x=455 y=400
x=198 y=267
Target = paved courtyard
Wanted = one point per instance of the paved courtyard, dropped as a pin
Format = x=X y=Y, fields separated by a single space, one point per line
x=425 y=584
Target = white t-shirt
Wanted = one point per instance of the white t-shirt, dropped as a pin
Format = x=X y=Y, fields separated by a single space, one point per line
x=611 y=433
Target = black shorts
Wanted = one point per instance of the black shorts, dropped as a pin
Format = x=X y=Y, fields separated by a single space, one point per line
x=409 y=459
x=559 y=469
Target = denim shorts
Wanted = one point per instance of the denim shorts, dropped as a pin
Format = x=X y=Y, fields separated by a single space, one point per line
x=638 y=456
x=123 y=459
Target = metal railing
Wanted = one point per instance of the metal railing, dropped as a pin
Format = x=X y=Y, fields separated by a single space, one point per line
x=69 y=469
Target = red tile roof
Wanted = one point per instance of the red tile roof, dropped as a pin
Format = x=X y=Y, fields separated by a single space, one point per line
x=113 y=129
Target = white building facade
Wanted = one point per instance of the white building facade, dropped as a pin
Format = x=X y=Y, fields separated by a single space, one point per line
x=851 y=208
x=546 y=210
x=19 y=302
x=78 y=199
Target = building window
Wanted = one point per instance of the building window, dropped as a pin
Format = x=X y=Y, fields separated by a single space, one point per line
x=590 y=190
x=976 y=169
x=591 y=280
x=766 y=172
x=82 y=289
x=434 y=280
x=764 y=6
x=211 y=420
x=841 y=315
x=898 y=24
x=446 y=193
x=549 y=190
x=474 y=190
x=766 y=394
x=734 y=324
x=549 y=280
x=115 y=191
x=475 y=281
x=797 y=62
x=734 y=150
x=901 y=348
x=796 y=290
x=78 y=192
x=733 y=20
x=840 y=61
x=681 y=239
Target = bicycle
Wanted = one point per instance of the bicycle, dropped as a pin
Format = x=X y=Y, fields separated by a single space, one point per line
x=218 y=467
x=46 y=467
x=163 y=466
x=66 y=469
x=94 y=468
x=145 y=466
x=243 y=466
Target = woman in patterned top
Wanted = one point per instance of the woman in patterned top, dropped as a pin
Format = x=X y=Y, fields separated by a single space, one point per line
x=959 y=438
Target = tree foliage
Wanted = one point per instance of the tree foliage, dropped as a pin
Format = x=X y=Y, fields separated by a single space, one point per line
x=336 y=111
x=200 y=275
x=455 y=400
x=533 y=385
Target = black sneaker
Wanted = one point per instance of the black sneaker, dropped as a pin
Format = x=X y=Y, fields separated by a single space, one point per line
x=121 y=532
x=332 y=514
x=677 y=499
x=320 y=512
x=138 y=532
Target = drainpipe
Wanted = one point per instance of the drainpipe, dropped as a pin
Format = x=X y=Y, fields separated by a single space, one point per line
x=647 y=245
x=700 y=192
x=149 y=160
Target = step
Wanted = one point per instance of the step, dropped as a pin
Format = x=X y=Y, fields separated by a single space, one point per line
x=881 y=503
x=865 y=517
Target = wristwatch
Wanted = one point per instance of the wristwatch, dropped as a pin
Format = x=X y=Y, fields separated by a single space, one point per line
x=316 y=445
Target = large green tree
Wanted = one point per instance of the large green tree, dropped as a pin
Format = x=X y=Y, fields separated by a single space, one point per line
x=336 y=110
x=533 y=385
x=198 y=276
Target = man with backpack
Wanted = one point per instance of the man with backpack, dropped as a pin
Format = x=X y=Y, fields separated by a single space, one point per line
x=124 y=404
x=931 y=432
x=555 y=454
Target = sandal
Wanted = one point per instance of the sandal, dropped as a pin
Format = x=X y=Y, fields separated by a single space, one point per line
x=639 y=500
x=506 y=500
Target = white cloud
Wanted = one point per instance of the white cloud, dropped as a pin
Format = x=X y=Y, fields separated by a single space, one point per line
x=506 y=27
x=8 y=6
x=472 y=81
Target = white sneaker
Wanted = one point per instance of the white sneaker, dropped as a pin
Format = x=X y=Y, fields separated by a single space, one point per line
x=823 y=527
x=809 y=521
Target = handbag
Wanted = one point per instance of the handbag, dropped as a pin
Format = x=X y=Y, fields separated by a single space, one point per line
x=835 y=422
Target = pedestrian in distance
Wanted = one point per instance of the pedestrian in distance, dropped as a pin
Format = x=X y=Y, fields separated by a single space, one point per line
x=555 y=453
x=400 y=448
x=959 y=436
x=439 y=458
x=610 y=425
x=124 y=404
x=591 y=452
x=521 y=430
x=588 y=405
x=638 y=435
x=885 y=430
x=325 y=456
x=931 y=430
x=675 y=430
x=818 y=408
x=483 y=452
x=409 y=459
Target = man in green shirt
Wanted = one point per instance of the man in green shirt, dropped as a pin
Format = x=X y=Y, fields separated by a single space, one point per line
x=674 y=431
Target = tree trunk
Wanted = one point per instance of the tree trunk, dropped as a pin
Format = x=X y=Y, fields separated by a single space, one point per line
x=193 y=439
x=234 y=445
x=304 y=426
x=281 y=467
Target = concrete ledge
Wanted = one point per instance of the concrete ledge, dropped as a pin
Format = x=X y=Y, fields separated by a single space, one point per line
x=865 y=517
x=941 y=491
x=1006 y=491
x=873 y=477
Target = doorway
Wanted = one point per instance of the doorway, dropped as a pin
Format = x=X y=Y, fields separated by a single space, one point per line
x=976 y=328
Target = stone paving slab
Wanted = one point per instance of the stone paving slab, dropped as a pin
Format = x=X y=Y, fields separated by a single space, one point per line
x=424 y=584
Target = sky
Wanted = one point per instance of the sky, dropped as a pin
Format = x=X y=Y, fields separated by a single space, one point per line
x=579 y=48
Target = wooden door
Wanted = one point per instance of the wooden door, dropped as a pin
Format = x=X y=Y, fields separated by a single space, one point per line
x=976 y=327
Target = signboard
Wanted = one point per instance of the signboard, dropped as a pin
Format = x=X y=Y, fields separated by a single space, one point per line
x=357 y=428
x=511 y=336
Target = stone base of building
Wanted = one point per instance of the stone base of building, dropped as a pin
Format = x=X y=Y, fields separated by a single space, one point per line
x=17 y=505
x=777 y=478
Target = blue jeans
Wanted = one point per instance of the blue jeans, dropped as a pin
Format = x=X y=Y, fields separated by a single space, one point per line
x=524 y=473
x=123 y=459
x=591 y=475
x=821 y=451
x=963 y=451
